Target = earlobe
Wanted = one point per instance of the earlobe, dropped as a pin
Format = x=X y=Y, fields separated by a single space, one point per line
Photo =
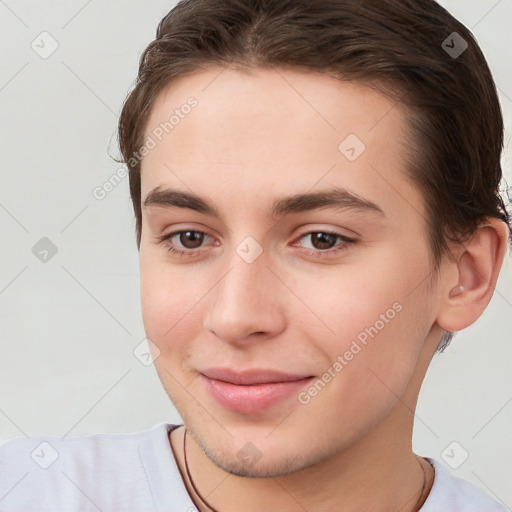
x=470 y=287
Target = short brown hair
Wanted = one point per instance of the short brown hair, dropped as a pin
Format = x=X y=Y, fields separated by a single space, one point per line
x=400 y=47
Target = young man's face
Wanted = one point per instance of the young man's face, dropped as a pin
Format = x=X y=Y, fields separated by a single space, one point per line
x=357 y=318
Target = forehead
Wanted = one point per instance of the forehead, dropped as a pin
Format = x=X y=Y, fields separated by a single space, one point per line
x=266 y=130
x=229 y=99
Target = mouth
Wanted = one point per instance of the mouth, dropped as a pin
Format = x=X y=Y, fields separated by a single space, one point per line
x=251 y=391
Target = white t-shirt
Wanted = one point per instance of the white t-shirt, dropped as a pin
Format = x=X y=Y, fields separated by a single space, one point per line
x=138 y=472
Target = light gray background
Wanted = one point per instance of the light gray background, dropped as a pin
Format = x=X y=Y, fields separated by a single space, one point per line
x=69 y=326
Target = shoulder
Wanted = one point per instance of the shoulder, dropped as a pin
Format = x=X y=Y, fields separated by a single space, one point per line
x=450 y=493
x=44 y=451
x=81 y=473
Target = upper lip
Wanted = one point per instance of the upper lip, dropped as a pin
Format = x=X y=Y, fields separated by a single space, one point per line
x=252 y=376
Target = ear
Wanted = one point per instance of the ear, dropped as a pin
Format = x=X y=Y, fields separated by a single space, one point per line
x=472 y=276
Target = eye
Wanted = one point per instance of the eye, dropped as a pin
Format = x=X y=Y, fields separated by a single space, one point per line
x=190 y=239
x=324 y=243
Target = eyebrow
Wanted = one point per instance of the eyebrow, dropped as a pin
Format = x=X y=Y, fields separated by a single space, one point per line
x=331 y=198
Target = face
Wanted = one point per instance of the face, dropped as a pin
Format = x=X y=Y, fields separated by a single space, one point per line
x=331 y=290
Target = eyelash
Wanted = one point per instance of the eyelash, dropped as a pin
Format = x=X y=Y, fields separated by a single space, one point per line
x=310 y=252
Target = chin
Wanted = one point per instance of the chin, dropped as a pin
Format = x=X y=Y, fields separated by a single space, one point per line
x=250 y=462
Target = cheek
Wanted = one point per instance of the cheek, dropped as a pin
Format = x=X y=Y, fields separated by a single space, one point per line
x=167 y=299
x=156 y=301
x=369 y=363
x=170 y=320
x=348 y=299
x=377 y=317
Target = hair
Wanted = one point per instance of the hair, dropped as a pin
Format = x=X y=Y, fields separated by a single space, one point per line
x=399 y=47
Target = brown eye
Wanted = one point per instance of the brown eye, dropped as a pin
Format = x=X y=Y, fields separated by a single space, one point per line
x=191 y=239
x=322 y=241
x=184 y=242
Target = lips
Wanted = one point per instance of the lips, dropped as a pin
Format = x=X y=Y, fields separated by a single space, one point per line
x=251 y=377
x=251 y=391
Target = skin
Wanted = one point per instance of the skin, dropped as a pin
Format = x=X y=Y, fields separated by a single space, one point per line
x=255 y=137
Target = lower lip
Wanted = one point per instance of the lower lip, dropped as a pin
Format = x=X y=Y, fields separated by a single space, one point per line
x=252 y=398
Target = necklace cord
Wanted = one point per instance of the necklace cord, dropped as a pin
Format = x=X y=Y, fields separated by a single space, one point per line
x=415 y=509
x=190 y=476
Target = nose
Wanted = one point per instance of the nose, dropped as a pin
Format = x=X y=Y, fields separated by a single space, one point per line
x=248 y=299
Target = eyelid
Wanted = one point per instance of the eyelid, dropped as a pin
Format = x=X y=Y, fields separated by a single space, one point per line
x=168 y=236
x=342 y=232
x=177 y=228
x=333 y=251
x=326 y=232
